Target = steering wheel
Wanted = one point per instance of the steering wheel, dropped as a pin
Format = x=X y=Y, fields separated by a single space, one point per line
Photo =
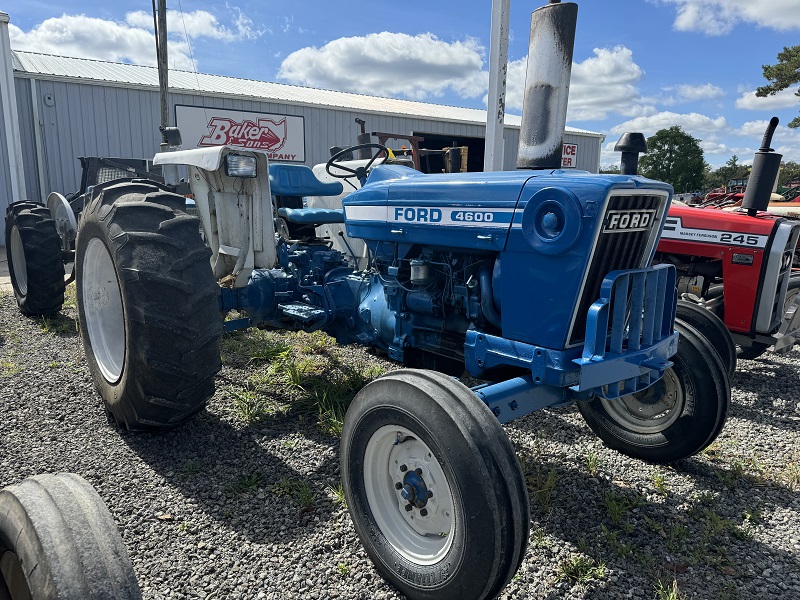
x=335 y=161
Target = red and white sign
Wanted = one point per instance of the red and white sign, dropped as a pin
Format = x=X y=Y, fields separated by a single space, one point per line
x=569 y=156
x=281 y=136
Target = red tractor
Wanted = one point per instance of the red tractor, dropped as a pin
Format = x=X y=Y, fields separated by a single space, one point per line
x=737 y=264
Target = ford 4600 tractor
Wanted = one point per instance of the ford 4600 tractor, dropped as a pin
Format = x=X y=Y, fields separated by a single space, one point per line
x=536 y=281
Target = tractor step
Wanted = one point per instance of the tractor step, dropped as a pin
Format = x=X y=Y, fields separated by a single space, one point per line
x=306 y=313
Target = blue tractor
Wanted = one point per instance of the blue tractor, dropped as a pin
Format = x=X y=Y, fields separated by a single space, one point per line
x=536 y=282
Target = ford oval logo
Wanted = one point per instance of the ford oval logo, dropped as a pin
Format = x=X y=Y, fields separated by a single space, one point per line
x=628 y=220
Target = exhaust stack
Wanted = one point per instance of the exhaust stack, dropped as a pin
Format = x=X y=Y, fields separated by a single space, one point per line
x=766 y=164
x=544 y=106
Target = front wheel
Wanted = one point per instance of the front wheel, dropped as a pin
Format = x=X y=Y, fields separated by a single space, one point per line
x=148 y=306
x=674 y=418
x=434 y=487
x=59 y=542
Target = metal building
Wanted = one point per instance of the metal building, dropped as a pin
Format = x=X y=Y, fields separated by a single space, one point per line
x=71 y=107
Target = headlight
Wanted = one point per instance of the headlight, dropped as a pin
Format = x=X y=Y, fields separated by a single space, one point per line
x=237 y=165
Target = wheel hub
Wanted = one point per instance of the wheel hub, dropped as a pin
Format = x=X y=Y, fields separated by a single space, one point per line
x=652 y=410
x=414 y=491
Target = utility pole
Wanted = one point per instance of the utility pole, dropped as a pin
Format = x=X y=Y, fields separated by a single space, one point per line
x=498 y=70
x=160 y=19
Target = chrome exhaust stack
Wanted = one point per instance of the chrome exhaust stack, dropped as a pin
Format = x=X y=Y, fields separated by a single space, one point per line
x=544 y=107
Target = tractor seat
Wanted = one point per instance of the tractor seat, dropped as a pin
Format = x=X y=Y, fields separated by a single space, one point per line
x=299 y=180
x=312 y=216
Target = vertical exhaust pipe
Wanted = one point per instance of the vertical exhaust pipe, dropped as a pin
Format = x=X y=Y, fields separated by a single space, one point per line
x=544 y=106
x=631 y=144
x=766 y=164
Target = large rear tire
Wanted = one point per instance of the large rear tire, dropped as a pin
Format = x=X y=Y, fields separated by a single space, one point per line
x=434 y=487
x=756 y=349
x=712 y=328
x=148 y=306
x=35 y=260
x=59 y=542
x=674 y=418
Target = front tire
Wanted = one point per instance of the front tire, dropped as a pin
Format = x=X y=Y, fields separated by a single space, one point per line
x=148 y=306
x=674 y=418
x=35 y=261
x=712 y=328
x=59 y=542
x=434 y=487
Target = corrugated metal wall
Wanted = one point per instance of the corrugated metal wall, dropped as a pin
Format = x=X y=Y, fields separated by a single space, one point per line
x=85 y=119
x=5 y=181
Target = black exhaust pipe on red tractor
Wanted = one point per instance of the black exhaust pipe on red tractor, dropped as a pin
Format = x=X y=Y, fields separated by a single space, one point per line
x=766 y=164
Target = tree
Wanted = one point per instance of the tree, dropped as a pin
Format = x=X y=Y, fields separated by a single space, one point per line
x=609 y=169
x=781 y=75
x=721 y=176
x=674 y=156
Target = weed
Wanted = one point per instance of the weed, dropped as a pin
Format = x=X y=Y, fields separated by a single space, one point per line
x=317 y=342
x=246 y=483
x=296 y=489
x=667 y=591
x=538 y=537
x=297 y=371
x=290 y=443
x=58 y=325
x=542 y=487
x=337 y=492
x=706 y=498
x=250 y=407
x=342 y=569
x=743 y=532
x=713 y=451
x=8 y=368
x=54 y=365
x=185 y=526
x=191 y=468
x=790 y=476
x=580 y=569
x=583 y=545
x=593 y=462
x=659 y=481
x=753 y=515
x=240 y=348
x=70 y=299
x=616 y=506
x=675 y=534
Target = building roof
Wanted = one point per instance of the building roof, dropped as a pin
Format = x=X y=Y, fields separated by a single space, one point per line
x=84 y=69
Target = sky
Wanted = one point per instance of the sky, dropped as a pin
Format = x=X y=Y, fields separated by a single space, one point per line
x=638 y=65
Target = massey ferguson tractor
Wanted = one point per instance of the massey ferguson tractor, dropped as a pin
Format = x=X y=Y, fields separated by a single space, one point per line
x=737 y=264
x=537 y=281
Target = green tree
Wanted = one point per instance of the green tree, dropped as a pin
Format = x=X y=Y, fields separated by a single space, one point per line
x=790 y=171
x=721 y=176
x=676 y=157
x=781 y=75
x=609 y=169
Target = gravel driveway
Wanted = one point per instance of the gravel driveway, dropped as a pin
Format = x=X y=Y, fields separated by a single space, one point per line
x=244 y=502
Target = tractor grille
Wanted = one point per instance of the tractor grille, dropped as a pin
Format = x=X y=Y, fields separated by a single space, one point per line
x=617 y=249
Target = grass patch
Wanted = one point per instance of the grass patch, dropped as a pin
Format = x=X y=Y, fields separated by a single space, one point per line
x=342 y=569
x=244 y=347
x=337 y=492
x=296 y=489
x=70 y=298
x=580 y=569
x=667 y=590
x=659 y=481
x=250 y=407
x=593 y=462
x=248 y=482
x=8 y=368
x=59 y=325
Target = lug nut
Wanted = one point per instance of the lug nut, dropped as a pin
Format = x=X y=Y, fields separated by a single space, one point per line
x=430 y=493
x=418 y=471
x=403 y=468
x=409 y=507
x=423 y=512
x=398 y=486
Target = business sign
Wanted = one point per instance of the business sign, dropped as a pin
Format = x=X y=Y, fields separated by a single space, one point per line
x=281 y=136
x=569 y=156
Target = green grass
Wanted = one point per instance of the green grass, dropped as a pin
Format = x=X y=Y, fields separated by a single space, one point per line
x=337 y=492
x=593 y=462
x=240 y=349
x=659 y=481
x=342 y=569
x=59 y=325
x=250 y=407
x=617 y=506
x=580 y=569
x=667 y=590
x=296 y=489
x=70 y=300
x=246 y=483
x=8 y=368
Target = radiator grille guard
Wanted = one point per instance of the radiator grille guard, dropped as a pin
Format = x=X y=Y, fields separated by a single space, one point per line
x=624 y=331
x=619 y=249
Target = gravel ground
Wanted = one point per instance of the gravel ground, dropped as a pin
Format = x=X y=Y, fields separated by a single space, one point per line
x=243 y=502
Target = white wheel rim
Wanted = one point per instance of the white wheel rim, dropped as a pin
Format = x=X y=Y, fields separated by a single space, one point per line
x=102 y=307
x=421 y=538
x=18 y=262
x=645 y=412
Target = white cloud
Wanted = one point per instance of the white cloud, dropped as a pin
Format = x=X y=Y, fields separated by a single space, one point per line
x=391 y=64
x=602 y=84
x=706 y=91
x=787 y=98
x=131 y=40
x=694 y=124
x=719 y=17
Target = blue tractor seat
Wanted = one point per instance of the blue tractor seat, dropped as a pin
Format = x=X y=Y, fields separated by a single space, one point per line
x=299 y=180
x=312 y=216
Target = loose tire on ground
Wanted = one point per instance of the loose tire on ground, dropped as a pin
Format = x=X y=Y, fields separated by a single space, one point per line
x=35 y=261
x=684 y=411
x=148 y=306
x=712 y=328
x=59 y=542
x=421 y=426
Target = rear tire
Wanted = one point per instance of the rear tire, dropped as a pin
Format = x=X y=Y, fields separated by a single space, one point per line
x=756 y=349
x=683 y=412
x=35 y=260
x=59 y=542
x=424 y=429
x=148 y=306
x=712 y=328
